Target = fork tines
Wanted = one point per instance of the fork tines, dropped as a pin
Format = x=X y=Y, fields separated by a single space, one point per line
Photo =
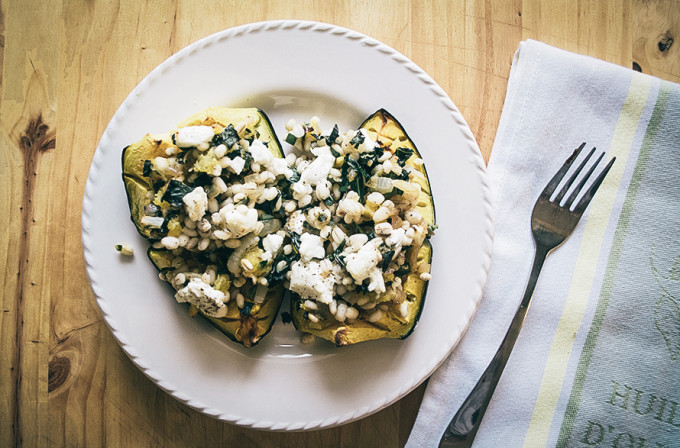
x=589 y=193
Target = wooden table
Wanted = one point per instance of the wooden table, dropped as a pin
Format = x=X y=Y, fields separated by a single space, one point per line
x=67 y=66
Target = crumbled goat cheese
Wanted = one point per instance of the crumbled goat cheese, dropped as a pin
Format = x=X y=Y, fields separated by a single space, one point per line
x=264 y=157
x=357 y=241
x=193 y=136
x=279 y=167
x=398 y=238
x=239 y=220
x=362 y=263
x=204 y=297
x=296 y=222
x=311 y=246
x=318 y=170
x=237 y=164
x=196 y=203
x=376 y=281
x=272 y=243
x=312 y=281
x=260 y=153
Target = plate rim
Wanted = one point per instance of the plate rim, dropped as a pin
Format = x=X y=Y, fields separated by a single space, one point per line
x=340 y=32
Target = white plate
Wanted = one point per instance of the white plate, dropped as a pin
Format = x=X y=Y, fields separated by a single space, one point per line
x=288 y=69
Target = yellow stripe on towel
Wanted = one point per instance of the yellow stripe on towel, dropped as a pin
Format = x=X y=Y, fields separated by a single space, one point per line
x=584 y=271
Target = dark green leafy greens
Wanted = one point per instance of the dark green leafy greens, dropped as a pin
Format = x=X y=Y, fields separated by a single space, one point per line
x=358 y=184
x=229 y=137
x=333 y=135
x=403 y=155
x=146 y=171
x=387 y=259
x=337 y=254
x=358 y=139
x=175 y=192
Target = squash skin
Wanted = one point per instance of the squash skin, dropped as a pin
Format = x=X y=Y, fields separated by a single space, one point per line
x=382 y=127
x=244 y=328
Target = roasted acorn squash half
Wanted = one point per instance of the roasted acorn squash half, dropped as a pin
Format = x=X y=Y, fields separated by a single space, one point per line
x=144 y=182
x=388 y=133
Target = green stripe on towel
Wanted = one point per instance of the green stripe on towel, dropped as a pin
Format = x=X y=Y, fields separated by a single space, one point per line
x=576 y=396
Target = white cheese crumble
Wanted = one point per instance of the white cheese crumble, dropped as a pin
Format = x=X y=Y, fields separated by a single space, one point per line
x=190 y=136
x=311 y=246
x=350 y=209
x=398 y=238
x=318 y=170
x=272 y=243
x=312 y=281
x=264 y=157
x=196 y=203
x=237 y=164
x=367 y=144
x=296 y=222
x=239 y=220
x=361 y=264
x=204 y=297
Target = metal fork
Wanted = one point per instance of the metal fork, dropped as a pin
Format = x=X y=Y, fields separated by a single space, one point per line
x=552 y=221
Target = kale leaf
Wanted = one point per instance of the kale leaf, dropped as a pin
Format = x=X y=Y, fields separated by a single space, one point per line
x=387 y=259
x=358 y=139
x=337 y=254
x=335 y=133
x=166 y=220
x=403 y=270
x=403 y=155
x=295 y=241
x=146 y=171
x=276 y=275
x=228 y=137
x=268 y=206
x=247 y=308
x=175 y=192
x=284 y=184
x=359 y=182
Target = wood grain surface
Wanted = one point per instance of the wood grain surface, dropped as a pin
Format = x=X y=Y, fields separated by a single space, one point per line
x=66 y=66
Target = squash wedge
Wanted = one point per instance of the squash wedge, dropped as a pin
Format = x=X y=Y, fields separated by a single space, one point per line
x=385 y=130
x=146 y=177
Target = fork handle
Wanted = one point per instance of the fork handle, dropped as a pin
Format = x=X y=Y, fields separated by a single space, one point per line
x=464 y=425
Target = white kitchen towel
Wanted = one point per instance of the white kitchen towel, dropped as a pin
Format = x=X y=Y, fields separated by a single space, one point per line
x=598 y=360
